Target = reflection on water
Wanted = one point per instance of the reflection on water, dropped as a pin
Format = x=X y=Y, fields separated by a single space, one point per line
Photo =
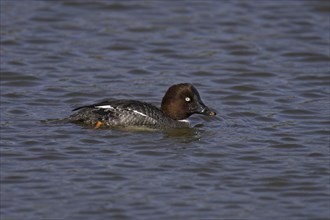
x=262 y=65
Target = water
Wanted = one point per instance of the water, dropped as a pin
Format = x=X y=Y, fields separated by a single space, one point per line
x=262 y=65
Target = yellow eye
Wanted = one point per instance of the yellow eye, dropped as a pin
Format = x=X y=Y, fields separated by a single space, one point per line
x=187 y=99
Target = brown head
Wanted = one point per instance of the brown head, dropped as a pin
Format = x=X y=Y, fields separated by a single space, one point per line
x=183 y=100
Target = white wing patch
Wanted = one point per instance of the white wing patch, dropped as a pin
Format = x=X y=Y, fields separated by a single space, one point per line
x=105 y=106
x=110 y=107
x=137 y=112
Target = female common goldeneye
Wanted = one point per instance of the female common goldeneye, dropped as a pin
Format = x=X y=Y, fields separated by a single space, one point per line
x=179 y=102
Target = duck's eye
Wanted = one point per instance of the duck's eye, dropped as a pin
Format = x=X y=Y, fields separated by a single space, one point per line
x=187 y=99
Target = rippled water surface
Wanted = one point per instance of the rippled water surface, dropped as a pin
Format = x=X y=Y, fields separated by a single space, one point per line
x=262 y=65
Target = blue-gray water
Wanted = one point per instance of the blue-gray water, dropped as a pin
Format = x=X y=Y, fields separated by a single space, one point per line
x=262 y=65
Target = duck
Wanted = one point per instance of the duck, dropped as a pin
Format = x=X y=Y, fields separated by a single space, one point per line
x=178 y=104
